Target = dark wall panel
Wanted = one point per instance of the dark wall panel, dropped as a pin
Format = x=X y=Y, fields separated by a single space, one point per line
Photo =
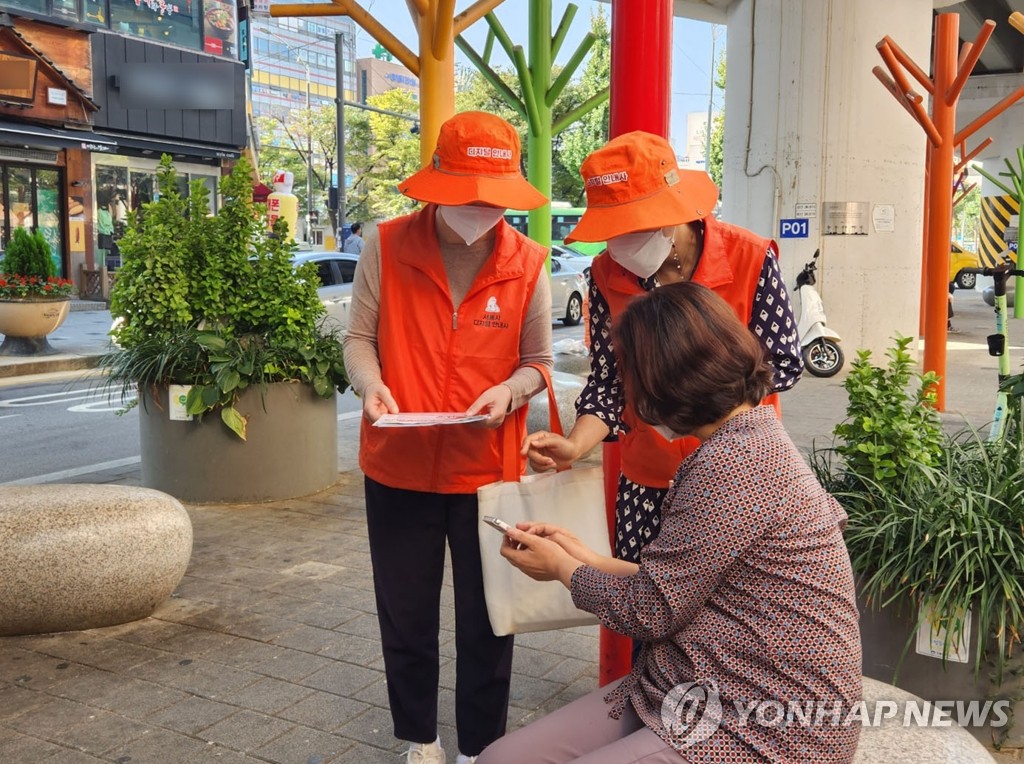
x=117 y=59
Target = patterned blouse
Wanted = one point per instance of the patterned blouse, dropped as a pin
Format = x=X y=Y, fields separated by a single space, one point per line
x=748 y=590
x=772 y=322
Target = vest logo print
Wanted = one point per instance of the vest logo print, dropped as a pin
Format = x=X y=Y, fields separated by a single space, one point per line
x=492 y=316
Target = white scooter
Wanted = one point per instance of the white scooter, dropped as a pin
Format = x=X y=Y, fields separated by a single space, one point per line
x=819 y=345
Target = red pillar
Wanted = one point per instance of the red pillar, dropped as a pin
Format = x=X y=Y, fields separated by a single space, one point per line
x=641 y=78
x=641 y=89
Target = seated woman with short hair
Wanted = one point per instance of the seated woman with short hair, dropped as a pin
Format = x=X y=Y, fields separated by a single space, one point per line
x=744 y=602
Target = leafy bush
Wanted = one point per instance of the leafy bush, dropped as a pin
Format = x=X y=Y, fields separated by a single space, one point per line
x=214 y=302
x=934 y=518
x=888 y=430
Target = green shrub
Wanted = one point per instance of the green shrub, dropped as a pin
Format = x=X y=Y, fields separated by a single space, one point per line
x=934 y=518
x=28 y=254
x=214 y=301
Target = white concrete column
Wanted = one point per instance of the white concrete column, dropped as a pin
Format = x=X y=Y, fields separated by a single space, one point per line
x=806 y=123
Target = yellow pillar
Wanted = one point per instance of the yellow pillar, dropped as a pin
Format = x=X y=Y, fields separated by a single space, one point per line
x=437 y=83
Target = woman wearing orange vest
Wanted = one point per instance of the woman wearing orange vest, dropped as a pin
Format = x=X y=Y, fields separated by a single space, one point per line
x=451 y=310
x=656 y=219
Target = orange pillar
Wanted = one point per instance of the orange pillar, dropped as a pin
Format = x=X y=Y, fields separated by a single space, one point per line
x=940 y=201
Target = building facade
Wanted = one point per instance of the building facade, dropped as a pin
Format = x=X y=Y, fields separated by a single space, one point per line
x=92 y=93
x=376 y=76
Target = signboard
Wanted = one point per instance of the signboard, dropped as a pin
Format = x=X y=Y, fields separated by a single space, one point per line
x=17 y=77
x=931 y=638
x=845 y=218
x=883 y=217
x=806 y=209
x=794 y=228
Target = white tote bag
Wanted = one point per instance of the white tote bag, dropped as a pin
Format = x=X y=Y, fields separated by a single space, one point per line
x=573 y=499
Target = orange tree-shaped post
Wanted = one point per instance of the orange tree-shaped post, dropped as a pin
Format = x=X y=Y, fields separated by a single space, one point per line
x=950 y=73
x=434 y=64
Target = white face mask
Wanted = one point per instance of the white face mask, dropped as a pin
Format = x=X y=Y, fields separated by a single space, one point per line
x=469 y=221
x=642 y=252
x=666 y=432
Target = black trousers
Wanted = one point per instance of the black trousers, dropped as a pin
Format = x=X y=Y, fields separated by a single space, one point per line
x=407 y=532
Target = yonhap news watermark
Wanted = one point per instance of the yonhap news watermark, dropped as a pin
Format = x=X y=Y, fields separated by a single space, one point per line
x=692 y=712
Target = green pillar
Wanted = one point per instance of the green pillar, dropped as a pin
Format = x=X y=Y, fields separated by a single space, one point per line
x=539 y=137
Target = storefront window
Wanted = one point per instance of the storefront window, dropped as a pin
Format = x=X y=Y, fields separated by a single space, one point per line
x=30 y=199
x=111 y=213
x=95 y=12
x=37 y=6
x=66 y=9
x=170 y=21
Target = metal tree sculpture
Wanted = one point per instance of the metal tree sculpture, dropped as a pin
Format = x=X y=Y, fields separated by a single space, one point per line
x=434 y=65
x=540 y=93
x=950 y=76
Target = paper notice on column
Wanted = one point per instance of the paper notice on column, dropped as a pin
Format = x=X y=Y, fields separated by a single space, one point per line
x=427 y=419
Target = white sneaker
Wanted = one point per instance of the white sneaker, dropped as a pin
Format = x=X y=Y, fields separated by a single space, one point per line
x=464 y=759
x=425 y=753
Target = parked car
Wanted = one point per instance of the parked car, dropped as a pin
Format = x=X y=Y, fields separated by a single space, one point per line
x=959 y=259
x=337 y=271
x=570 y=277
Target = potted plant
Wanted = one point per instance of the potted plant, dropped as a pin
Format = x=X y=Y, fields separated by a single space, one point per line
x=936 y=537
x=223 y=342
x=33 y=300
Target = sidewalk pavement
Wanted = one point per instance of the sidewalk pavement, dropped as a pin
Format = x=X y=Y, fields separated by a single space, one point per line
x=269 y=649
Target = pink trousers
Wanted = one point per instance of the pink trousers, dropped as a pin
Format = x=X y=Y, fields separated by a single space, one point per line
x=583 y=733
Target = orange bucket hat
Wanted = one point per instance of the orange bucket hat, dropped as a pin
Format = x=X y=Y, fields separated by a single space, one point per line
x=476 y=162
x=634 y=184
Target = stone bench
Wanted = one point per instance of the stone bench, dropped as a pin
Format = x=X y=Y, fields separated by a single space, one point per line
x=893 y=743
x=81 y=556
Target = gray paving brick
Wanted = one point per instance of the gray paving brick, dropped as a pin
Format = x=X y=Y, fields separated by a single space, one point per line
x=269 y=696
x=365 y=626
x=375 y=694
x=67 y=756
x=529 y=691
x=101 y=732
x=372 y=727
x=341 y=678
x=198 y=677
x=366 y=754
x=323 y=711
x=48 y=719
x=246 y=730
x=157 y=746
x=15 y=700
x=357 y=650
x=39 y=671
x=192 y=714
x=116 y=692
x=293 y=665
x=535 y=663
x=302 y=745
x=16 y=747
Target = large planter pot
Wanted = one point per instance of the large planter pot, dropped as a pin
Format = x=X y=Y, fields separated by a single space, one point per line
x=291 y=447
x=26 y=322
x=884 y=633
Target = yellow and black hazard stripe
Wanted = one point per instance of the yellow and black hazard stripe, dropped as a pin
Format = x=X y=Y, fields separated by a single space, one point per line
x=995 y=217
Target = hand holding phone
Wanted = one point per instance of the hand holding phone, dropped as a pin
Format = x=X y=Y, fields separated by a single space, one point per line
x=500 y=525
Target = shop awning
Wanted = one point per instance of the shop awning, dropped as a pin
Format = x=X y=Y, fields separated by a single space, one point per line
x=27 y=135
x=24 y=134
x=172 y=147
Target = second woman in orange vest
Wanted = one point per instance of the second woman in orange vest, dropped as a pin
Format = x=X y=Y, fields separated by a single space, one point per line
x=451 y=310
x=657 y=221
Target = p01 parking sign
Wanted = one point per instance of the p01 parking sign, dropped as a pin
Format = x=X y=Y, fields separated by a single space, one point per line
x=794 y=228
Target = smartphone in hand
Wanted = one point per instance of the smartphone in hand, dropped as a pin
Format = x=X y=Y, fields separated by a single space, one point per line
x=500 y=525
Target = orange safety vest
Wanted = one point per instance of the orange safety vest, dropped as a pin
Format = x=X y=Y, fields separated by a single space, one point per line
x=436 y=358
x=730 y=264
